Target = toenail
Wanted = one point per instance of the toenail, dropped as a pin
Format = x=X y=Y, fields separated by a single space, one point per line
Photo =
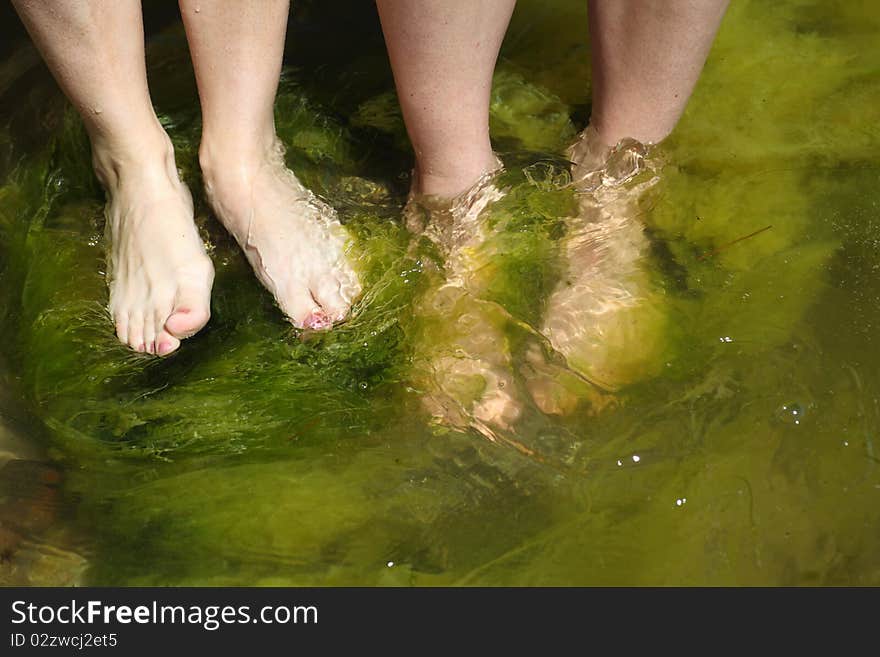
x=142 y=347
x=165 y=348
x=318 y=321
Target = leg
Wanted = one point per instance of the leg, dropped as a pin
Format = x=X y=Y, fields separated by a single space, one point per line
x=160 y=276
x=443 y=53
x=294 y=242
x=647 y=56
x=608 y=320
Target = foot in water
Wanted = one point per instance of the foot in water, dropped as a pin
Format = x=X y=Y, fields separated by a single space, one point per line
x=292 y=239
x=604 y=317
x=464 y=365
x=159 y=275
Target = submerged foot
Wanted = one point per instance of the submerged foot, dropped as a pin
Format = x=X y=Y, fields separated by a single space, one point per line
x=292 y=239
x=464 y=363
x=159 y=275
x=605 y=317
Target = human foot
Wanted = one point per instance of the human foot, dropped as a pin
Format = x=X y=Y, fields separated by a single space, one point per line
x=293 y=240
x=557 y=389
x=464 y=362
x=159 y=275
x=605 y=317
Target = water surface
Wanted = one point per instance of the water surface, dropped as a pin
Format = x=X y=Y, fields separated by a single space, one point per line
x=724 y=433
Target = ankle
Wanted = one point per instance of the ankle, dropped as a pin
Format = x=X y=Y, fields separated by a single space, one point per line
x=117 y=163
x=234 y=162
x=610 y=134
x=449 y=183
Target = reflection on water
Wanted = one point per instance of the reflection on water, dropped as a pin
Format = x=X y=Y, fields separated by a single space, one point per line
x=551 y=383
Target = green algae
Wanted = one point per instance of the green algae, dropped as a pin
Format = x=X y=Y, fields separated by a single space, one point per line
x=257 y=455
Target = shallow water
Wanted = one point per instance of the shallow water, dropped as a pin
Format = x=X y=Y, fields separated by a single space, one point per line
x=716 y=423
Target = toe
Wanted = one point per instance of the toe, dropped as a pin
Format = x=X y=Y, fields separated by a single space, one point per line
x=149 y=335
x=166 y=343
x=327 y=293
x=301 y=308
x=136 y=331
x=318 y=320
x=121 y=322
x=191 y=312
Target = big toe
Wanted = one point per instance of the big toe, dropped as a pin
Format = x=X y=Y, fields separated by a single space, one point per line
x=191 y=312
x=166 y=343
x=328 y=294
x=301 y=308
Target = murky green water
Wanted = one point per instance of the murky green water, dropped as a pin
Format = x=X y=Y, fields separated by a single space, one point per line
x=734 y=441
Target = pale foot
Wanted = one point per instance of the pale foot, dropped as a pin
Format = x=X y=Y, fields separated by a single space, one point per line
x=292 y=239
x=464 y=365
x=604 y=317
x=159 y=275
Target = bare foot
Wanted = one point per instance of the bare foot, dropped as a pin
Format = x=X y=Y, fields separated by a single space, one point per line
x=159 y=275
x=293 y=240
x=604 y=317
x=464 y=364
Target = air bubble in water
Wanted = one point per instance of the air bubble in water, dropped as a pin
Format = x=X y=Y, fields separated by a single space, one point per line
x=791 y=413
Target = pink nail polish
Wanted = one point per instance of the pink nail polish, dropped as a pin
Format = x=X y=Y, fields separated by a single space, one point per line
x=318 y=321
